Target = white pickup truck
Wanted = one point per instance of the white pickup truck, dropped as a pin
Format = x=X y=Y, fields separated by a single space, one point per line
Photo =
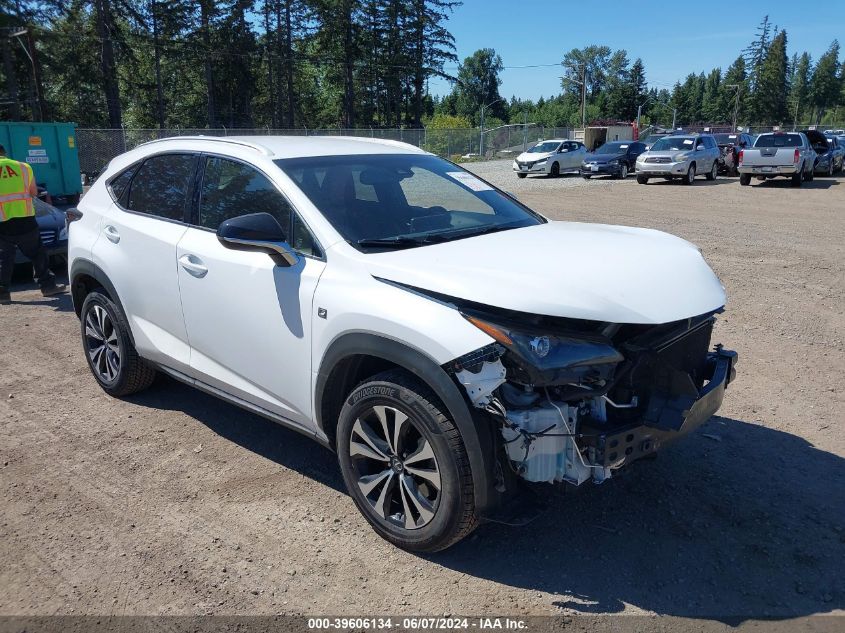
x=786 y=154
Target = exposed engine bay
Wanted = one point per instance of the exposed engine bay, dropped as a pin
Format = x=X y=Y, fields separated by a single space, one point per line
x=577 y=400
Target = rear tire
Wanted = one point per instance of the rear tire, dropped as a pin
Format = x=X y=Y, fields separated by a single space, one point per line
x=798 y=177
x=643 y=180
x=586 y=176
x=109 y=349
x=745 y=179
x=830 y=169
x=714 y=171
x=409 y=509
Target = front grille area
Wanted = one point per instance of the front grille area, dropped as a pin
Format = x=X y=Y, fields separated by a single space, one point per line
x=528 y=164
x=48 y=237
x=658 y=159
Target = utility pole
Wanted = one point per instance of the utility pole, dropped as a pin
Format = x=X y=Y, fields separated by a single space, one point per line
x=674 y=116
x=795 y=119
x=640 y=111
x=37 y=93
x=583 y=96
x=11 y=82
x=738 y=88
x=481 y=140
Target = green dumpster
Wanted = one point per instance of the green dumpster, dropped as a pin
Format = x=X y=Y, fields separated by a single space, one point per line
x=50 y=148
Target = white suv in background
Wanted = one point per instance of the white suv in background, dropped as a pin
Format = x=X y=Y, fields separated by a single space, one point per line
x=396 y=308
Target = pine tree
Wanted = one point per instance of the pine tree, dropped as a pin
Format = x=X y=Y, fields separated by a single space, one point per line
x=769 y=99
x=710 y=105
x=826 y=82
x=800 y=86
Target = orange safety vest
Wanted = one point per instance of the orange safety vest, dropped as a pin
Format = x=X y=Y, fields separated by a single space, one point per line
x=15 y=201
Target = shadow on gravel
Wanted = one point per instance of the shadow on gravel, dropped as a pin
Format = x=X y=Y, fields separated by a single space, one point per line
x=254 y=433
x=748 y=525
x=819 y=182
x=699 y=182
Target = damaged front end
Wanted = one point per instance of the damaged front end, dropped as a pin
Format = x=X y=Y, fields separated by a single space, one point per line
x=576 y=400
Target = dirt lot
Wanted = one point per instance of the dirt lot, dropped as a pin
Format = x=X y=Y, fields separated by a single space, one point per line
x=174 y=503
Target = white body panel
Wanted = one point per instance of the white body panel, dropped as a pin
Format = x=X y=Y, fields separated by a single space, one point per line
x=249 y=323
x=567 y=269
x=138 y=253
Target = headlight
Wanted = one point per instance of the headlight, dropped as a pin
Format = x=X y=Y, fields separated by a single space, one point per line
x=553 y=358
x=680 y=157
x=63 y=234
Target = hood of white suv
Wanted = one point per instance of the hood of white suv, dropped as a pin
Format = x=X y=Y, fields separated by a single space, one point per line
x=565 y=269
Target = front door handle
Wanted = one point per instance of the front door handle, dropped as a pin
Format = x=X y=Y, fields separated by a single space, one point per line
x=193 y=265
x=112 y=234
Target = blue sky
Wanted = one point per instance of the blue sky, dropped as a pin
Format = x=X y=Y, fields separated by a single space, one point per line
x=672 y=38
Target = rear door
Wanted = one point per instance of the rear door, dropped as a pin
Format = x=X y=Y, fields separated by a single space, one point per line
x=249 y=320
x=137 y=250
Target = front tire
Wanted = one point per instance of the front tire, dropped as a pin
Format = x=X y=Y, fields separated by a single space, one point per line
x=405 y=464
x=519 y=175
x=555 y=172
x=623 y=171
x=690 y=177
x=108 y=346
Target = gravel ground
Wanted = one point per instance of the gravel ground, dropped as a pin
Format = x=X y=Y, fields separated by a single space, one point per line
x=172 y=502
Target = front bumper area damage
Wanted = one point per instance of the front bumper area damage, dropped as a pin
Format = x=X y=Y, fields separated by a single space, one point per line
x=576 y=401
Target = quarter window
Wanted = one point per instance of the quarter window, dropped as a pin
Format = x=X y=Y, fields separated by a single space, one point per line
x=160 y=187
x=120 y=183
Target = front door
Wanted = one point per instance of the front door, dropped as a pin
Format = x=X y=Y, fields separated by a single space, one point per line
x=249 y=320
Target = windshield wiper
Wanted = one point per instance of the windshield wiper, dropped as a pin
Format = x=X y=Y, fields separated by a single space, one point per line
x=400 y=241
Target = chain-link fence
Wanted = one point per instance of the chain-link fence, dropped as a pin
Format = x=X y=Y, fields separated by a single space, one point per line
x=98 y=146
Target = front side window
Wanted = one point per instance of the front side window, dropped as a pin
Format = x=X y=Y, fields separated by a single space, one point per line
x=161 y=185
x=403 y=200
x=231 y=189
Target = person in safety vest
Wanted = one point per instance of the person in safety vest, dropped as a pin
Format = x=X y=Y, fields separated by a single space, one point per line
x=18 y=228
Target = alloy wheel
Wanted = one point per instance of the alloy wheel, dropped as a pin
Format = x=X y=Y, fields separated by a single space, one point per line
x=624 y=173
x=102 y=344
x=395 y=467
x=691 y=174
x=714 y=172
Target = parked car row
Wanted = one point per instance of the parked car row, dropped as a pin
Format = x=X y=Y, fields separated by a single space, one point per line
x=681 y=156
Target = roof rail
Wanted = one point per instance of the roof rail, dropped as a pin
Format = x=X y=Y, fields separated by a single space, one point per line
x=221 y=139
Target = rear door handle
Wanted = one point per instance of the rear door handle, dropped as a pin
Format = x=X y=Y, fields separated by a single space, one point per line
x=112 y=234
x=193 y=265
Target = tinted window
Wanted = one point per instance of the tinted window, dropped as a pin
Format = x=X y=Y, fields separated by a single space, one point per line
x=779 y=140
x=120 y=182
x=230 y=189
x=161 y=186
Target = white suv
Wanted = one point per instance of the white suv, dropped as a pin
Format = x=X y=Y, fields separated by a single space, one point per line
x=448 y=342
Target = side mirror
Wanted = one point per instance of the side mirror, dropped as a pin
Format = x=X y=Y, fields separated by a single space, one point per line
x=257 y=232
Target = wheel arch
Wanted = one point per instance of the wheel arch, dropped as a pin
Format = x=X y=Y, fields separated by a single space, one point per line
x=86 y=276
x=353 y=357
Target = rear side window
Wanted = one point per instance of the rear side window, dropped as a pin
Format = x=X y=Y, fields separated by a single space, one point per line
x=161 y=185
x=779 y=140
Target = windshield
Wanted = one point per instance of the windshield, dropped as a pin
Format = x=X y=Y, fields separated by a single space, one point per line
x=401 y=200
x=779 y=140
x=673 y=143
x=612 y=148
x=544 y=148
x=727 y=139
